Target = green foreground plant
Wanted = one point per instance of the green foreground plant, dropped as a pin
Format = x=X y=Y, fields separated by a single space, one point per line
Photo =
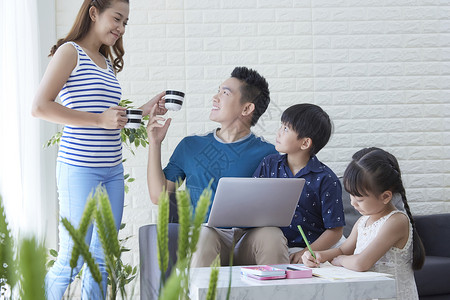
x=98 y=210
x=21 y=271
x=177 y=284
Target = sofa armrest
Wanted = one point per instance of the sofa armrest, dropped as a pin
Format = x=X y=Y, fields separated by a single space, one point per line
x=150 y=274
x=434 y=231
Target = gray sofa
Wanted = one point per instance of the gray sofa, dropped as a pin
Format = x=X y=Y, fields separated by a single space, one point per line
x=433 y=281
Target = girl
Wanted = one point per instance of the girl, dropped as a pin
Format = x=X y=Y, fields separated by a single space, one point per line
x=82 y=71
x=384 y=239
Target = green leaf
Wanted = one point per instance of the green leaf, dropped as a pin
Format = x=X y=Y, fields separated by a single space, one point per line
x=130 y=179
x=53 y=253
x=50 y=264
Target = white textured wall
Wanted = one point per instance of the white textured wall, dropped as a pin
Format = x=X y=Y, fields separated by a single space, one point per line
x=380 y=68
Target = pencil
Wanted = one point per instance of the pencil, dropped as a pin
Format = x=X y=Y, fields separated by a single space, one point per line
x=306 y=241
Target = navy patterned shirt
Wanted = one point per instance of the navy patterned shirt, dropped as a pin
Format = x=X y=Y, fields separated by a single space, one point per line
x=320 y=204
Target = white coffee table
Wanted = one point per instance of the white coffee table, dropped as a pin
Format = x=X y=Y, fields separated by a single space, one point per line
x=307 y=288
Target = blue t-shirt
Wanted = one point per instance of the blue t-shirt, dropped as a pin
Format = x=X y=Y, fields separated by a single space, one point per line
x=320 y=204
x=200 y=158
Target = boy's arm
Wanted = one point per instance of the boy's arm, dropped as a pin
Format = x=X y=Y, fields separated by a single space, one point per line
x=327 y=239
x=330 y=189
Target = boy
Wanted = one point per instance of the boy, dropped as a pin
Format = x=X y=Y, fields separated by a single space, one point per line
x=229 y=151
x=305 y=130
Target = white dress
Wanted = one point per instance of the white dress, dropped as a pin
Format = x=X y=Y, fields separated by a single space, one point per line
x=397 y=262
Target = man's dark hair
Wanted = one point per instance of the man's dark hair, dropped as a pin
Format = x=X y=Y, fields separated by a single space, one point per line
x=254 y=89
x=309 y=120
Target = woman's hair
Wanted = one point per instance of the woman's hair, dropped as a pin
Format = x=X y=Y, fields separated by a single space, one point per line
x=81 y=27
x=373 y=170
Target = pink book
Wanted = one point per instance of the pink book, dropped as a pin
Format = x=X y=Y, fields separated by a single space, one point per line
x=263 y=270
x=261 y=277
x=294 y=271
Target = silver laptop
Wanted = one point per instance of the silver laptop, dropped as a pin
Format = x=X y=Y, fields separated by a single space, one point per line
x=255 y=202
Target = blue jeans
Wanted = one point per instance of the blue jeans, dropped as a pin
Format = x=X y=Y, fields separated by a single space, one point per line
x=74 y=186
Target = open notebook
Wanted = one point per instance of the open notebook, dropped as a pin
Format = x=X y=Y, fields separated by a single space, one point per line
x=328 y=271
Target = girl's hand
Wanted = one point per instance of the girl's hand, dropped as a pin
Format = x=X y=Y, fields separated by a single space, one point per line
x=156 y=132
x=337 y=261
x=310 y=261
x=114 y=117
x=296 y=258
x=160 y=108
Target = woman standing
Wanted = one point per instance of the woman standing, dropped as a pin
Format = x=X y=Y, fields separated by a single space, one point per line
x=83 y=72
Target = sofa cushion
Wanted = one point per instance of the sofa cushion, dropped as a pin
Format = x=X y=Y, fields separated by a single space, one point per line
x=432 y=229
x=433 y=278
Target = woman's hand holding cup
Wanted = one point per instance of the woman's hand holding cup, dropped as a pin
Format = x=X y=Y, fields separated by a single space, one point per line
x=160 y=109
x=112 y=118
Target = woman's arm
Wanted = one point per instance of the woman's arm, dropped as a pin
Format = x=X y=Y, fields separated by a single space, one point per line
x=160 y=109
x=56 y=75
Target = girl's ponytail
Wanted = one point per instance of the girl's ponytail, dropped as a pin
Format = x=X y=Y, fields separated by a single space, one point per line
x=418 y=249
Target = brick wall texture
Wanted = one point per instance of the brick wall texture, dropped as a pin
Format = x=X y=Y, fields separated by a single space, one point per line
x=381 y=69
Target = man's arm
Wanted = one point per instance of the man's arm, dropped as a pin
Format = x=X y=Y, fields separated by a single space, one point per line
x=156 y=180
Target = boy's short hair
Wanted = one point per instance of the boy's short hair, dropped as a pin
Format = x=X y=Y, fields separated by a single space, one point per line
x=255 y=89
x=309 y=120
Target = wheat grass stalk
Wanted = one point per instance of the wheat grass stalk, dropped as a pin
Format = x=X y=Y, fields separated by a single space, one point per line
x=109 y=222
x=200 y=214
x=32 y=258
x=106 y=245
x=184 y=219
x=162 y=229
x=211 y=295
x=84 y=251
x=85 y=222
x=172 y=288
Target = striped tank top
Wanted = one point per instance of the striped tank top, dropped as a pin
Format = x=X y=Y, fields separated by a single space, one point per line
x=90 y=89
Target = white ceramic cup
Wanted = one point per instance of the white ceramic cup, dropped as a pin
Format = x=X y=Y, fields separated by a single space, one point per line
x=134 y=116
x=173 y=99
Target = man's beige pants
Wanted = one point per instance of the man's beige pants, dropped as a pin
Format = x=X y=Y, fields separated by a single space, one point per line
x=254 y=246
